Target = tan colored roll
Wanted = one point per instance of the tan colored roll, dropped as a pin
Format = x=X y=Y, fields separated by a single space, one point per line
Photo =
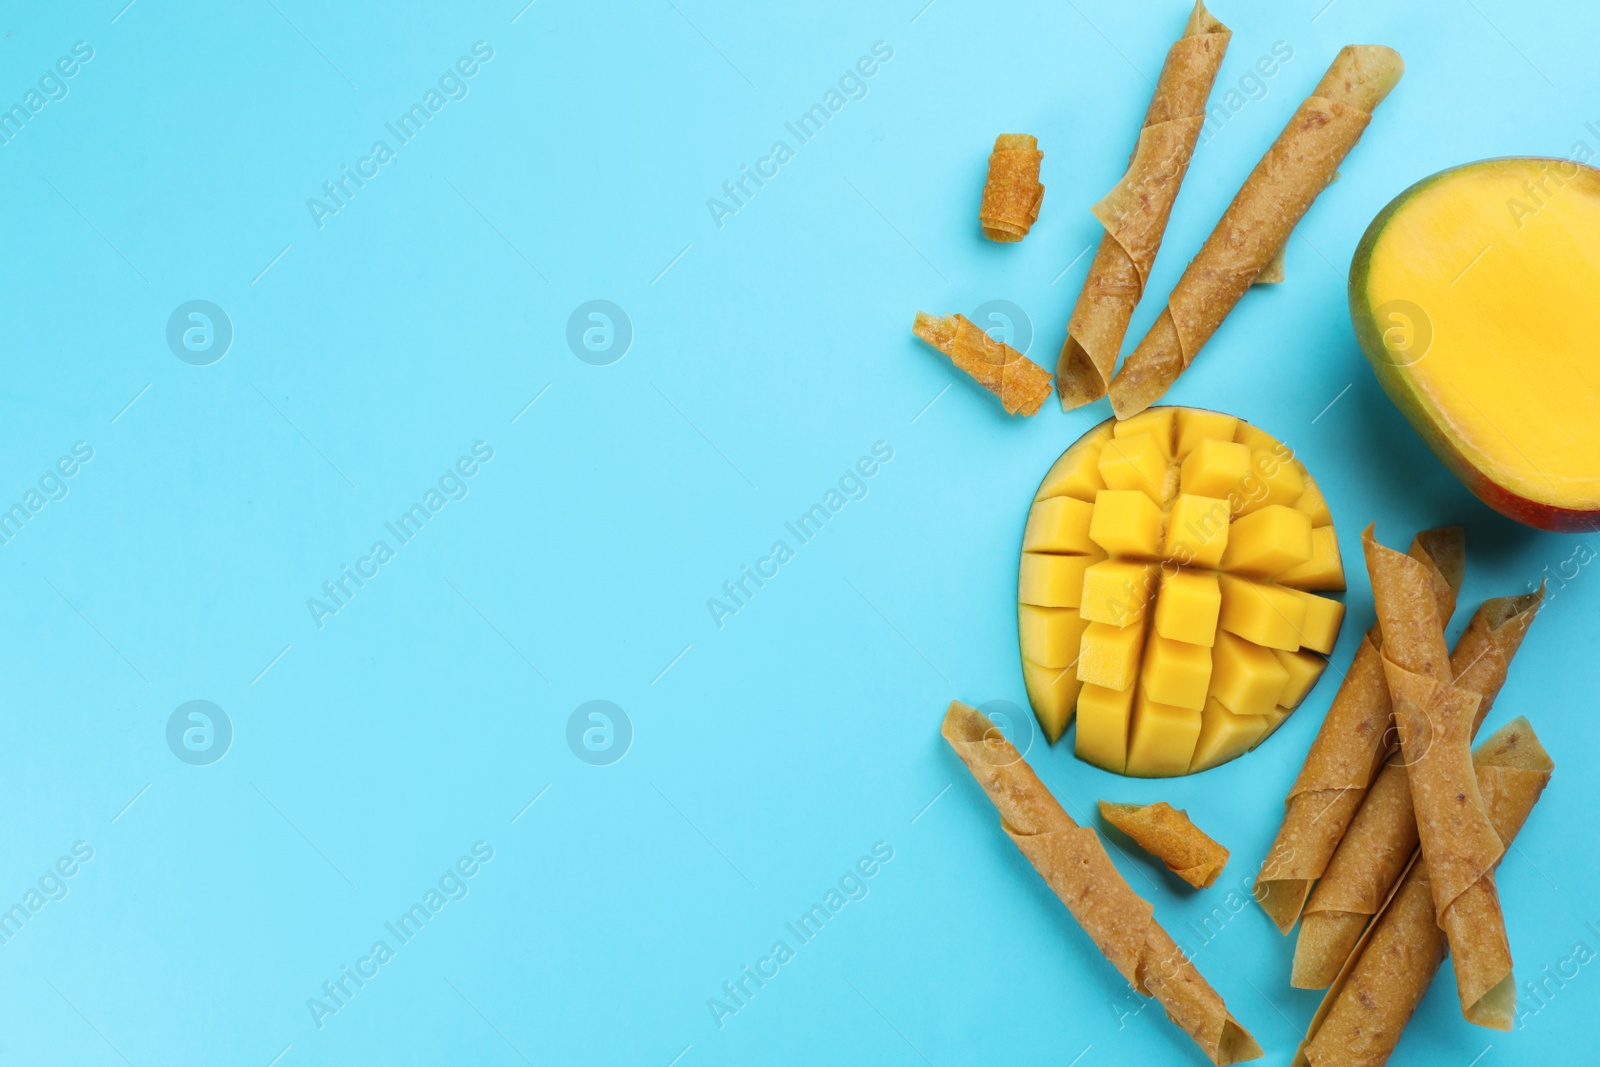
x=1435 y=719
x=1168 y=834
x=1383 y=835
x=1275 y=196
x=1073 y=861
x=1011 y=193
x=1364 y=1014
x=1020 y=383
x=1345 y=757
x=1136 y=211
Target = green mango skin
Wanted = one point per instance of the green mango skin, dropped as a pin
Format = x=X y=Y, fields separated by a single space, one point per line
x=1418 y=409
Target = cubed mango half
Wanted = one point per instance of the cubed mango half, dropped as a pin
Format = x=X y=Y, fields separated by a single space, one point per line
x=1167 y=593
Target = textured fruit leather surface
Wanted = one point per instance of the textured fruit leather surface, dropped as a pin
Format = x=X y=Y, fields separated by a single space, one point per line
x=485 y=558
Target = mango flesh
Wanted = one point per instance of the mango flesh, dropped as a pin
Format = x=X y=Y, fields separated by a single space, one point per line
x=1473 y=296
x=1167 y=593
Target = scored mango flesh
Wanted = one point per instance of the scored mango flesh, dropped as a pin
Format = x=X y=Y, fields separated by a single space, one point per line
x=1167 y=593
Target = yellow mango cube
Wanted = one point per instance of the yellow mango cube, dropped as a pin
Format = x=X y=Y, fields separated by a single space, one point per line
x=1195 y=426
x=1052 y=581
x=1304 y=669
x=1109 y=655
x=1268 y=541
x=1324 y=571
x=1138 y=462
x=1117 y=591
x=1049 y=636
x=1176 y=672
x=1275 y=719
x=1321 y=627
x=1224 y=735
x=1275 y=478
x=1197 y=531
x=1216 y=469
x=1264 y=614
x=1187 y=607
x=1163 y=738
x=1103 y=718
x=1253 y=437
x=1053 y=692
x=1059 y=524
x=1075 y=474
x=1157 y=422
x=1246 y=678
x=1126 y=522
x=1312 y=503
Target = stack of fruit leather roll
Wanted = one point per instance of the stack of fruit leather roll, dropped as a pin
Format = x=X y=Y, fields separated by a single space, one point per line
x=1362 y=1017
x=1383 y=835
x=1348 y=751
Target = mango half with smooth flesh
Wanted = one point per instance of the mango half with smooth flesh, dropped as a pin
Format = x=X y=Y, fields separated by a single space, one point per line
x=1167 y=593
x=1474 y=297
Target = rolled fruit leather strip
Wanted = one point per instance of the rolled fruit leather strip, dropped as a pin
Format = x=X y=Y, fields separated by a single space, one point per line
x=1074 y=863
x=1168 y=834
x=1436 y=718
x=1011 y=192
x=1136 y=211
x=1021 y=384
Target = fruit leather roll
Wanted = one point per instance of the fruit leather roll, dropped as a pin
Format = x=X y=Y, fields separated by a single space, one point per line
x=1348 y=750
x=1136 y=211
x=1011 y=193
x=1256 y=225
x=1020 y=383
x=1074 y=863
x=1363 y=1015
x=1383 y=835
x=1435 y=719
x=1168 y=834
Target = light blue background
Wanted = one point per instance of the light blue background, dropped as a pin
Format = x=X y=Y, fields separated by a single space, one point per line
x=768 y=355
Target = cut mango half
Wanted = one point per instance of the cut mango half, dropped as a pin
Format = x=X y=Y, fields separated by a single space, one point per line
x=1473 y=296
x=1169 y=591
